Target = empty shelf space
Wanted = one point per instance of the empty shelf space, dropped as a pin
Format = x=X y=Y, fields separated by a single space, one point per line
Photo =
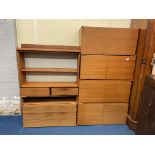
x=53 y=70
x=49 y=84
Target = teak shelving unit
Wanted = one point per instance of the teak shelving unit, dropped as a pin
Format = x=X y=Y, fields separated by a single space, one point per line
x=57 y=100
x=100 y=95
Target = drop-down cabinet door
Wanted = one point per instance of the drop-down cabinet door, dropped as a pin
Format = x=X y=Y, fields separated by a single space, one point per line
x=107 y=67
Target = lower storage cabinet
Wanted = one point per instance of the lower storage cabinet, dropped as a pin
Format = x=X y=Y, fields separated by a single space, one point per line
x=102 y=113
x=49 y=113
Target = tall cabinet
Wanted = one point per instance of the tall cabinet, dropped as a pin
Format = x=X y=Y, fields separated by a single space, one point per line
x=107 y=68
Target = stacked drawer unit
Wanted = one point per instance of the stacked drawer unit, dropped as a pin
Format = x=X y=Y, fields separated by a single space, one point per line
x=106 y=74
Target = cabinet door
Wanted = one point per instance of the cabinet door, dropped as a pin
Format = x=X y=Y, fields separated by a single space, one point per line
x=114 y=113
x=102 y=113
x=116 y=41
x=104 y=91
x=107 y=67
x=93 y=67
x=121 y=67
x=89 y=114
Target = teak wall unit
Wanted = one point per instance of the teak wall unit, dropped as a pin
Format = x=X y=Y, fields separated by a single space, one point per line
x=105 y=69
x=48 y=103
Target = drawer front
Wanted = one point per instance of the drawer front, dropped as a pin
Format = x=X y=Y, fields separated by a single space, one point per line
x=104 y=91
x=64 y=91
x=102 y=113
x=45 y=107
x=107 y=67
x=34 y=92
x=117 y=41
x=48 y=122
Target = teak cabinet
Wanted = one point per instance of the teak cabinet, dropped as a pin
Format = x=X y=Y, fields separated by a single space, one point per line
x=107 y=67
x=99 y=95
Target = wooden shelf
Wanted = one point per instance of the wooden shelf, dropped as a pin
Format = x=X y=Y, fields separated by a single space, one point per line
x=44 y=48
x=50 y=84
x=52 y=70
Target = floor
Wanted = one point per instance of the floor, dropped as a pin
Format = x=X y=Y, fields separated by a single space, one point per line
x=12 y=125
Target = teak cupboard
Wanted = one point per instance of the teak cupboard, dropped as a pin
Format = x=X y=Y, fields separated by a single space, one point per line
x=99 y=95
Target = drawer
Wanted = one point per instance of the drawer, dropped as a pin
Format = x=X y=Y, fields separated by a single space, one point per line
x=48 y=122
x=102 y=113
x=34 y=91
x=107 y=67
x=64 y=91
x=112 y=41
x=49 y=113
x=50 y=106
x=104 y=91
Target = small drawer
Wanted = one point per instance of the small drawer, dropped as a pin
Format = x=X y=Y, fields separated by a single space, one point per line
x=34 y=92
x=64 y=91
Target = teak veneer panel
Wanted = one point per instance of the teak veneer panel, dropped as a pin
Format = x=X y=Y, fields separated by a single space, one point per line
x=107 y=67
x=64 y=91
x=53 y=70
x=102 y=113
x=58 y=50
x=49 y=84
x=104 y=91
x=48 y=122
x=44 y=107
x=117 y=41
x=34 y=91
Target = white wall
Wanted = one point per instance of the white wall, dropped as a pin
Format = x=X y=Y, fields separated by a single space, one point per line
x=60 y=31
x=9 y=87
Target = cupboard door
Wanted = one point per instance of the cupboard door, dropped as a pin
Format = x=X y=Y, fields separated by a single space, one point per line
x=104 y=91
x=107 y=67
x=114 y=113
x=89 y=114
x=117 y=41
x=121 y=67
x=93 y=67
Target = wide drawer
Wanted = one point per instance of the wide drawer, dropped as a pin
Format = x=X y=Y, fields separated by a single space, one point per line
x=107 y=67
x=49 y=113
x=104 y=91
x=64 y=91
x=102 y=113
x=48 y=122
x=34 y=91
x=45 y=107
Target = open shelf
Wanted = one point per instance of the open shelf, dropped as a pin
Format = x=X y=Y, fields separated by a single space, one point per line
x=61 y=49
x=49 y=84
x=53 y=70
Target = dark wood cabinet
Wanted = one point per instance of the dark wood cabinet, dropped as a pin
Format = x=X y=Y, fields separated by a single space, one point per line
x=146 y=117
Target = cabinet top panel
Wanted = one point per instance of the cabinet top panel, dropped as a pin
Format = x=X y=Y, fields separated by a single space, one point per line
x=110 y=41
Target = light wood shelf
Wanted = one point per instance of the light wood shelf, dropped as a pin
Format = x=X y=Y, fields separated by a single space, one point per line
x=61 y=49
x=52 y=70
x=49 y=84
